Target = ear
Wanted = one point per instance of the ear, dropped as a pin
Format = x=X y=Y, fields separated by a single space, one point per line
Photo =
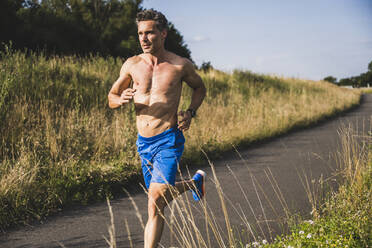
x=164 y=34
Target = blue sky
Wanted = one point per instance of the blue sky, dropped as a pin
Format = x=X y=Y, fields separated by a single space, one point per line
x=295 y=38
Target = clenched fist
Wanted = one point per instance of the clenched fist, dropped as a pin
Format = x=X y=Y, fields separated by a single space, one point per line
x=126 y=96
x=184 y=121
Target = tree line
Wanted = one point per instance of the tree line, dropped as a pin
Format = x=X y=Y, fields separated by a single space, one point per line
x=81 y=27
x=363 y=80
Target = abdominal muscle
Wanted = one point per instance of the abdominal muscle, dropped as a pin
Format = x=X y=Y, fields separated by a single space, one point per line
x=156 y=117
x=148 y=126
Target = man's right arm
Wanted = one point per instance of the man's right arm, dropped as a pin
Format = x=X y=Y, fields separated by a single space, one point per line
x=120 y=92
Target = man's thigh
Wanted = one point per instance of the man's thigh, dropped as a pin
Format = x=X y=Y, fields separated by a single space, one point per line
x=165 y=166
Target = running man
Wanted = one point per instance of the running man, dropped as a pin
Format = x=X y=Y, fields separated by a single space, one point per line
x=157 y=77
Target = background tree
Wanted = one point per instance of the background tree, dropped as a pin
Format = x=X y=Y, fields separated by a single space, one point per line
x=330 y=79
x=106 y=27
x=9 y=21
x=363 y=80
x=206 y=66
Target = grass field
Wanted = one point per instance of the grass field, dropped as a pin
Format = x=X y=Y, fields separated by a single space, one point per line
x=340 y=217
x=344 y=216
x=60 y=143
x=366 y=90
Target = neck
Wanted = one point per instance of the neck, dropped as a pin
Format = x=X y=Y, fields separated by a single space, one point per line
x=157 y=57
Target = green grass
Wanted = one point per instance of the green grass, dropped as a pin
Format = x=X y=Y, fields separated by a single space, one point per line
x=60 y=144
x=344 y=217
x=366 y=90
x=341 y=216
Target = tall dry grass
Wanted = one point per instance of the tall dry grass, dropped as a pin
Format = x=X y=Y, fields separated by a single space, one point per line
x=340 y=218
x=255 y=107
x=60 y=143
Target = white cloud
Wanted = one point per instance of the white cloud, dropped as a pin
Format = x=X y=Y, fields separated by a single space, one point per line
x=199 y=38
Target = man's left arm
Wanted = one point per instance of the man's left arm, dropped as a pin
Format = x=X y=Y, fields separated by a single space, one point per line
x=193 y=80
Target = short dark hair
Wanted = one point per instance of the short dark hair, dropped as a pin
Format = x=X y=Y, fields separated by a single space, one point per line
x=153 y=15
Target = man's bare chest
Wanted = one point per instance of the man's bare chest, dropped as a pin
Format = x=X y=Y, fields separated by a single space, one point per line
x=156 y=79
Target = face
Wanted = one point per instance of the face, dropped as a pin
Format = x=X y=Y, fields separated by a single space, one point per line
x=150 y=37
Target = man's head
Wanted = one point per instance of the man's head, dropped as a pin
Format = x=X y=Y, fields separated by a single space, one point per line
x=153 y=15
x=152 y=30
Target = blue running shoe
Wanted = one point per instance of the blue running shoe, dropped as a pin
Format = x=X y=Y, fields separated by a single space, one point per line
x=199 y=179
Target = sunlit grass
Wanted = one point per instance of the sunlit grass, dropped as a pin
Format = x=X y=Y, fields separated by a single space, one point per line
x=339 y=219
x=343 y=217
x=366 y=90
x=61 y=144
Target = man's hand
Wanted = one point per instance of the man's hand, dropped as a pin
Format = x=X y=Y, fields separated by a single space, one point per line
x=184 y=121
x=126 y=96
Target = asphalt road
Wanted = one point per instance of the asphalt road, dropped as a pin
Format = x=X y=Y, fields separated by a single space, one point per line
x=307 y=153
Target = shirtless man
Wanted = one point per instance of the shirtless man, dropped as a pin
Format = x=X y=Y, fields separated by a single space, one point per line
x=157 y=76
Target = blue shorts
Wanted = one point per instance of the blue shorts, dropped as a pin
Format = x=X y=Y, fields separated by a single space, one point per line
x=160 y=156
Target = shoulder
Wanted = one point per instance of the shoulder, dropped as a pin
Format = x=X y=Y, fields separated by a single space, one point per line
x=132 y=60
x=127 y=65
x=189 y=73
x=186 y=65
x=178 y=60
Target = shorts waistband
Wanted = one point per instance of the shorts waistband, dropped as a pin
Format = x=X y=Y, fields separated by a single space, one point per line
x=158 y=136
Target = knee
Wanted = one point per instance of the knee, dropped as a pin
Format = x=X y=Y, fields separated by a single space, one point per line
x=156 y=203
